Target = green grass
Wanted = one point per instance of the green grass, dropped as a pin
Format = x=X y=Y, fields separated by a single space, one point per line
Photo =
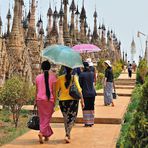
x=129 y=117
x=7 y=130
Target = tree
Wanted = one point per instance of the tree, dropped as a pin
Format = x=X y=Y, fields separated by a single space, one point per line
x=14 y=94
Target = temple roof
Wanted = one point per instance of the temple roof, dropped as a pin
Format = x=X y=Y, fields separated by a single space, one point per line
x=133 y=45
x=65 y=2
x=61 y=13
x=99 y=27
x=73 y=6
x=9 y=14
x=103 y=27
x=40 y=20
x=29 y=14
x=95 y=14
x=49 y=13
x=108 y=33
x=83 y=13
x=55 y=14
x=77 y=11
x=1 y=21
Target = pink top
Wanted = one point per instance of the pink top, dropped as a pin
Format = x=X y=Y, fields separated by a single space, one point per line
x=41 y=89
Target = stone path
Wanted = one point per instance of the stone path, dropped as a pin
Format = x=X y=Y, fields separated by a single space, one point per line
x=103 y=134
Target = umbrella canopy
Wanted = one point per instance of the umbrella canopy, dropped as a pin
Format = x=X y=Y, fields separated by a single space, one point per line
x=63 y=55
x=83 y=48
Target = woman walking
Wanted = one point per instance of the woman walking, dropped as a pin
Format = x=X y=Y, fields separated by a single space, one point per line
x=86 y=79
x=108 y=84
x=130 y=70
x=68 y=105
x=45 y=99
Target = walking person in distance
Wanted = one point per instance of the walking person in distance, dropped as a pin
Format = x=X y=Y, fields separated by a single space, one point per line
x=108 y=84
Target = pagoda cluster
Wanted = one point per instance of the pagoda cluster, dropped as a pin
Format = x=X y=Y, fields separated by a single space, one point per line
x=23 y=40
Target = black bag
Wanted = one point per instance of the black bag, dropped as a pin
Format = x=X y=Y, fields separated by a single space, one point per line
x=73 y=91
x=33 y=122
x=114 y=95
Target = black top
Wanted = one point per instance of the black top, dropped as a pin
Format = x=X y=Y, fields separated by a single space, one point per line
x=76 y=71
x=109 y=74
x=86 y=80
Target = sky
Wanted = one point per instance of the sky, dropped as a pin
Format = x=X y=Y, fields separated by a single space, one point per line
x=124 y=17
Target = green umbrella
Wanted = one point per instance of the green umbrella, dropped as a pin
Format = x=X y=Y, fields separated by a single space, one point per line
x=62 y=55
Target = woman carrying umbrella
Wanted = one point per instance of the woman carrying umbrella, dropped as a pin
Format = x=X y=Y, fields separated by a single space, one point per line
x=45 y=99
x=86 y=79
x=68 y=105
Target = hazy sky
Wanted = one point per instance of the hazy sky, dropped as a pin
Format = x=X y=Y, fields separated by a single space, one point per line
x=125 y=17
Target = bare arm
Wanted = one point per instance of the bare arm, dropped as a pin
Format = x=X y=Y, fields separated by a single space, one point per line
x=114 y=86
x=54 y=91
x=35 y=103
x=105 y=79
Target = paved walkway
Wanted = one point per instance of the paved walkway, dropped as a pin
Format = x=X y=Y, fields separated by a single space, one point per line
x=103 y=135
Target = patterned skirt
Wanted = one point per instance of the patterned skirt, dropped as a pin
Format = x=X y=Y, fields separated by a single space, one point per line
x=69 y=109
x=88 y=111
x=108 y=90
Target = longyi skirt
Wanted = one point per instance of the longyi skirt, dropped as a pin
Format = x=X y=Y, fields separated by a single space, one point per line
x=108 y=90
x=88 y=111
x=45 y=111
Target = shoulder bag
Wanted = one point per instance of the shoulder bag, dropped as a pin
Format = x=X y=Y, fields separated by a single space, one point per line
x=73 y=90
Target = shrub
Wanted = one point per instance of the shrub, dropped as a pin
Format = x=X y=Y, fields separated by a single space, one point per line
x=100 y=66
x=14 y=94
x=139 y=129
x=32 y=95
x=129 y=117
x=117 y=69
x=135 y=129
x=142 y=71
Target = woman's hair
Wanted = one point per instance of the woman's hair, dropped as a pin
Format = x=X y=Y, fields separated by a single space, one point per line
x=86 y=66
x=45 y=67
x=68 y=76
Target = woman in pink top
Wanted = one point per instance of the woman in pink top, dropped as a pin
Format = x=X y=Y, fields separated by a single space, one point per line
x=45 y=100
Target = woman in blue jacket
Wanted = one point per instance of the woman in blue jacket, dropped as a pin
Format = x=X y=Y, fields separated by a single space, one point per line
x=86 y=79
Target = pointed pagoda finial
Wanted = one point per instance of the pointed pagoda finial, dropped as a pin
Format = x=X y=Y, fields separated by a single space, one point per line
x=1 y=21
x=83 y=12
x=95 y=13
x=77 y=11
x=72 y=6
x=61 y=13
x=99 y=26
x=49 y=13
x=40 y=20
x=55 y=14
x=9 y=14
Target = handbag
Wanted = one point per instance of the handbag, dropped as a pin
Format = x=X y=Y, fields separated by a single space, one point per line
x=33 y=122
x=114 y=94
x=73 y=91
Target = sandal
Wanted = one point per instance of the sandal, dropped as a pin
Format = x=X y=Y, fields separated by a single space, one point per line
x=46 y=139
x=40 y=138
x=67 y=139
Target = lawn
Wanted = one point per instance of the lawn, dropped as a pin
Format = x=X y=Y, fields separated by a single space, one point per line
x=7 y=130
